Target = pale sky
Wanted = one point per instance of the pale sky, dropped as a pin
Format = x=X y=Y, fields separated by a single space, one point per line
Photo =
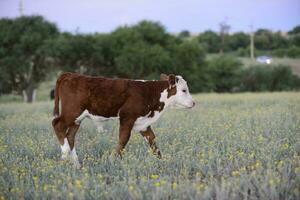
x=90 y=16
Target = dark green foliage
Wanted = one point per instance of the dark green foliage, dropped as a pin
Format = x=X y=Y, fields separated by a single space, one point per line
x=72 y=51
x=293 y=52
x=152 y=32
x=279 y=53
x=243 y=52
x=141 y=51
x=184 y=34
x=30 y=47
x=224 y=73
x=188 y=60
x=278 y=41
x=269 y=78
x=266 y=40
x=211 y=41
x=141 y=60
x=263 y=39
x=296 y=30
x=295 y=40
x=23 y=59
x=238 y=40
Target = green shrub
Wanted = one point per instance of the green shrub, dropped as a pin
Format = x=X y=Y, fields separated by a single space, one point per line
x=188 y=60
x=224 y=72
x=269 y=78
x=293 y=52
x=279 y=53
x=243 y=52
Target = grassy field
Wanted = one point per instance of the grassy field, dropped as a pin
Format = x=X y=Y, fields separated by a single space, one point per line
x=231 y=146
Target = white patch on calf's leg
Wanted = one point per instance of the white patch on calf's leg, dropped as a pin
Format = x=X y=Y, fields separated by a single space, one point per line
x=65 y=149
x=74 y=158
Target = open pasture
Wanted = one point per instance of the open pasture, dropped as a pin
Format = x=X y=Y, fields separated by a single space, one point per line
x=230 y=146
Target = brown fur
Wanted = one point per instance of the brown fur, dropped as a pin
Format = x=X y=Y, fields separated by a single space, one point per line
x=150 y=136
x=108 y=98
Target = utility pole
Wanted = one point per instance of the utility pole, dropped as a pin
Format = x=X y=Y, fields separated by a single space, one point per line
x=21 y=8
x=224 y=29
x=251 y=43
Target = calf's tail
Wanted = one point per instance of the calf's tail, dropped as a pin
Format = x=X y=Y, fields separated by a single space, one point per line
x=59 y=81
x=56 y=100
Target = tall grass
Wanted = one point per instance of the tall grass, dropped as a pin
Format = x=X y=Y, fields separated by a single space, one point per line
x=241 y=146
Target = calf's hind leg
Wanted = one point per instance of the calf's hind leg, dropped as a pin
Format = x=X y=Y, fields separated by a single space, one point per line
x=60 y=129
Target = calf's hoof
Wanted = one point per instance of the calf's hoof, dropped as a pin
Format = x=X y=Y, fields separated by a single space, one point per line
x=65 y=156
x=159 y=154
x=77 y=165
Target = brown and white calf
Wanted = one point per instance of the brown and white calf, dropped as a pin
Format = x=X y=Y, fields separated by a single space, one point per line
x=137 y=104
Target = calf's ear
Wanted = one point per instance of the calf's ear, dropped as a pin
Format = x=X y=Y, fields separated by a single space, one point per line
x=164 y=77
x=172 y=80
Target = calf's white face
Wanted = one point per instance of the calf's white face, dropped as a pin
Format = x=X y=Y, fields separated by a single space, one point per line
x=182 y=98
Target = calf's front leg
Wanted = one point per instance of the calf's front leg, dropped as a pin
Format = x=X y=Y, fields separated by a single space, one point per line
x=150 y=137
x=124 y=134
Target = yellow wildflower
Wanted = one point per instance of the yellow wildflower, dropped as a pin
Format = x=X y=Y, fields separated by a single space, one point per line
x=153 y=176
x=257 y=164
x=285 y=146
x=78 y=183
x=235 y=173
x=174 y=185
x=131 y=187
x=157 y=184
x=45 y=188
x=201 y=186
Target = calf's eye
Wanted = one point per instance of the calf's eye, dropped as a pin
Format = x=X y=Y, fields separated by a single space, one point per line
x=184 y=91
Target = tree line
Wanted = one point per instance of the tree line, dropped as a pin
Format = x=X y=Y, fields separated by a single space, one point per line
x=265 y=42
x=31 y=47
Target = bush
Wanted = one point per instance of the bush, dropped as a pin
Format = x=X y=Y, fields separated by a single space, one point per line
x=279 y=53
x=142 y=60
x=293 y=52
x=224 y=72
x=188 y=60
x=269 y=78
x=243 y=52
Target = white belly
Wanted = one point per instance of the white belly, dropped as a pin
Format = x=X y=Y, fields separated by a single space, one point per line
x=142 y=123
x=94 y=118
